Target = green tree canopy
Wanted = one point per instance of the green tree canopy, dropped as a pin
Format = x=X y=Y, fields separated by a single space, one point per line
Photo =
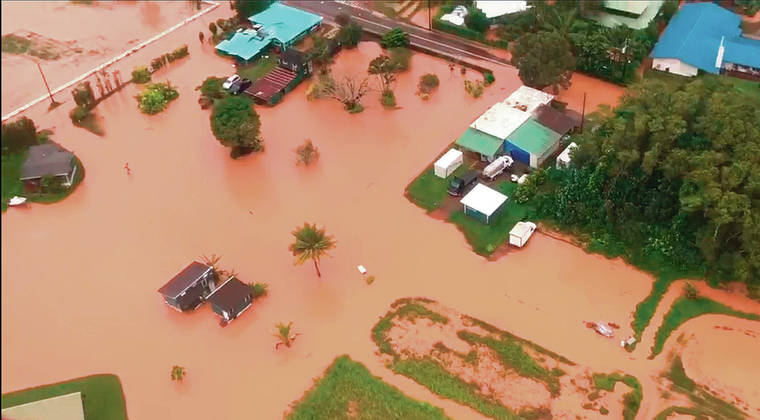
x=396 y=37
x=235 y=124
x=350 y=34
x=476 y=20
x=18 y=135
x=311 y=243
x=248 y=8
x=543 y=59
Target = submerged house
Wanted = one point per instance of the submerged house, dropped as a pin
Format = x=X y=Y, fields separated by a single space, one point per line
x=293 y=67
x=230 y=299
x=706 y=37
x=49 y=159
x=279 y=25
x=189 y=288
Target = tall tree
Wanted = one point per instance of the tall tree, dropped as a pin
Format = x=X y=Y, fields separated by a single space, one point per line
x=248 y=8
x=311 y=243
x=385 y=69
x=18 y=135
x=349 y=91
x=543 y=59
x=476 y=20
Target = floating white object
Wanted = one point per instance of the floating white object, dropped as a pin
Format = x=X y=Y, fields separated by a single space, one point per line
x=361 y=269
x=16 y=200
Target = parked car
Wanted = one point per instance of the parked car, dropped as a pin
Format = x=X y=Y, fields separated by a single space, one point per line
x=497 y=167
x=459 y=183
x=239 y=86
x=230 y=80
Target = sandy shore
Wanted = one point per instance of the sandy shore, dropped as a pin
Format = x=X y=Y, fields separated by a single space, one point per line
x=80 y=277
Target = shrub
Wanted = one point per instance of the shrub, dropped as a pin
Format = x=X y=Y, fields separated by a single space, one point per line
x=259 y=290
x=342 y=18
x=212 y=88
x=78 y=114
x=690 y=292
x=488 y=78
x=212 y=28
x=141 y=75
x=307 y=153
x=400 y=58
x=388 y=99
x=180 y=52
x=18 y=135
x=475 y=89
x=428 y=83
x=201 y=37
x=51 y=184
x=350 y=35
x=15 y=44
x=156 y=97
x=604 y=411
x=396 y=37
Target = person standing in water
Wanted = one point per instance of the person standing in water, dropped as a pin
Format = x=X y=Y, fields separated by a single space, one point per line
x=126 y=166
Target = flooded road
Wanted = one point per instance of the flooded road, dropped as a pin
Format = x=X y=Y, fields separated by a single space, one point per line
x=80 y=277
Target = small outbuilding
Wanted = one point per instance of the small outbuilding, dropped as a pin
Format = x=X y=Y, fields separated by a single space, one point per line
x=483 y=203
x=189 y=288
x=230 y=299
x=49 y=159
x=563 y=160
x=448 y=163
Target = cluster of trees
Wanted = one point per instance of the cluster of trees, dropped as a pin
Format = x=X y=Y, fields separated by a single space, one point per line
x=156 y=97
x=350 y=32
x=246 y=8
x=554 y=40
x=18 y=135
x=167 y=58
x=670 y=179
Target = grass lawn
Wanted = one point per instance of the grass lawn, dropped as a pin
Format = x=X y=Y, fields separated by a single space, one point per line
x=428 y=190
x=102 y=396
x=631 y=400
x=486 y=238
x=258 y=68
x=685 y=309
x=348 y=390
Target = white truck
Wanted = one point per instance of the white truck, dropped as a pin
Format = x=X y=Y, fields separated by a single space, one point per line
x=497 y=167
x=520 y=234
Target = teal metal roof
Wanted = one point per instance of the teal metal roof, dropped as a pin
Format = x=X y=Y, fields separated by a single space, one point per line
x=285 y=23
x=741 y=50
x=244 y=45
x=479 y=142
x=533 y=137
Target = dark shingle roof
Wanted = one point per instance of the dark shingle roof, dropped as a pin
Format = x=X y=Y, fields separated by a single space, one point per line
x=230 y=294
x=47 y=159
x=183 y=279
x=554 y=119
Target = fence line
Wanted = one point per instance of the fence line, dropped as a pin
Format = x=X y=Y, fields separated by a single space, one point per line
x=116 y=59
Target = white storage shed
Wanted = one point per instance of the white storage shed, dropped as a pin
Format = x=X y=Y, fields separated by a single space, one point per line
x=482 y=203
x=563 y=160
x=448 y=163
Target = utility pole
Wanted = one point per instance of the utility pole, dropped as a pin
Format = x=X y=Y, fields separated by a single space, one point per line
x=430 y=19
x=583 y=112
x=52 y=101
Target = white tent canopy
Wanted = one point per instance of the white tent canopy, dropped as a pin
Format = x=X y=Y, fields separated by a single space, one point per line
x=528 y=98
x=500 y=120
x=494 y=8
x=448 y=163
x=483 y=200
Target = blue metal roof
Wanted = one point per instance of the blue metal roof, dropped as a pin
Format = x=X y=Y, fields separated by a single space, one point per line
x=694 y=35
x=741 y=50
x=285 y=23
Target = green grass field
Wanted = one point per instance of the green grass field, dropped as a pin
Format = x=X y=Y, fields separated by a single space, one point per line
x=428 y=190
x=102 y=396
x=258 y=68
x=631 y=400
x=685 y=309
x=349 y=391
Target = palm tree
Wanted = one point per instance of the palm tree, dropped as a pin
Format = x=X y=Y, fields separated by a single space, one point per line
x=284 y=334
x=178 y=372
x=557 y=21
x=213 y=262
x=311 y=244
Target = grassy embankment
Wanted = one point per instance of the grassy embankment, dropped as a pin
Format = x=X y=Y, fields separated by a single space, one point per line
x=428 y=372
x=348 y=390
x=631 y=400
x=429 y=192
x=684 y=309
x=102 y=396
x=706 y=405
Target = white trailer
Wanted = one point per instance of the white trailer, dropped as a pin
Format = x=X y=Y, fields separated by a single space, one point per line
x=448 y=163
x=520 y=234
x=496 y=167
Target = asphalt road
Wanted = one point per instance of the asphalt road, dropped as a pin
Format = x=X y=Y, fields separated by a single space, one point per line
x=378 y=23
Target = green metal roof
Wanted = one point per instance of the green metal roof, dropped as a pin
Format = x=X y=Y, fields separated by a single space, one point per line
x=533 y=137
x=244 y=45
x=480 y=142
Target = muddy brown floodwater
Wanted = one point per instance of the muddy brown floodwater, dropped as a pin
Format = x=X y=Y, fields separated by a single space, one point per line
x=79 y=277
